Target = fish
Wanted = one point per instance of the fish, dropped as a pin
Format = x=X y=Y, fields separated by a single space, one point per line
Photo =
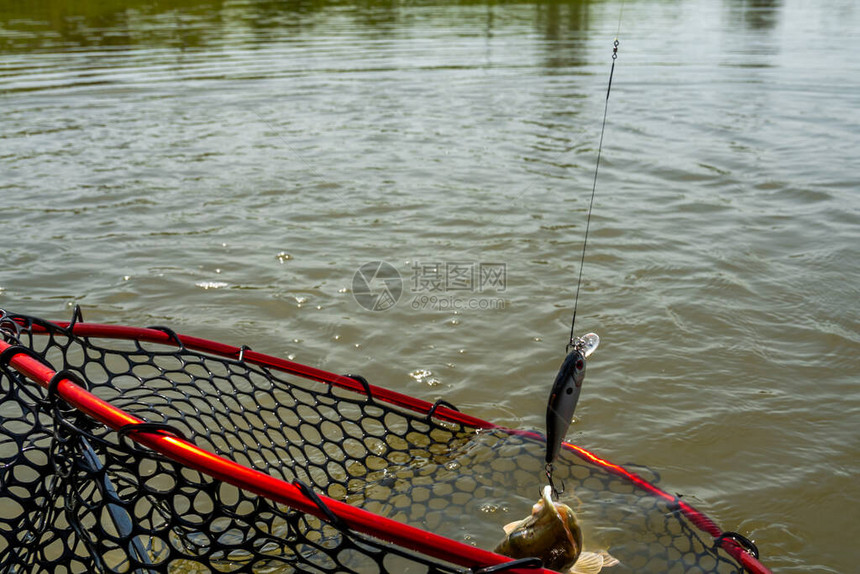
x=552 y=533
x=562 y=401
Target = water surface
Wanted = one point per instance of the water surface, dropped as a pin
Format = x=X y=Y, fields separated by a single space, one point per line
x=226 y=167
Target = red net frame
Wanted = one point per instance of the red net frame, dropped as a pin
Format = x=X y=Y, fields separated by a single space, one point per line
x=262 y=484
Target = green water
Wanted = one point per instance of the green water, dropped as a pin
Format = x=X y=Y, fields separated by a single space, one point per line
x=225 y=168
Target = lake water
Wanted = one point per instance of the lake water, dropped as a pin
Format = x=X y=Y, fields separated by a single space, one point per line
x=226 y=167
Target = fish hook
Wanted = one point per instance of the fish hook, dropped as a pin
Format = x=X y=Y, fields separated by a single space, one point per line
x=556 y=492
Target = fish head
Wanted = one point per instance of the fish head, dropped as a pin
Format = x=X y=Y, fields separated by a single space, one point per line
x=551 y=532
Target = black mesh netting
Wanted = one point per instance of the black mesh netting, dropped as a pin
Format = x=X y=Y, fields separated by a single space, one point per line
x=77 y=497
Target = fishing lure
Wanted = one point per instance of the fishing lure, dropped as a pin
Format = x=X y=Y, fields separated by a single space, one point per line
x=565 y=395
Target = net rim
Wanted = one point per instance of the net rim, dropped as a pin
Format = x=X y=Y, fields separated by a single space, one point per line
x=262 y=484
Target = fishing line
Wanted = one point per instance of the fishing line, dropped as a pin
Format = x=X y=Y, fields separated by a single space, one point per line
x=594 y=183
x=566 y=388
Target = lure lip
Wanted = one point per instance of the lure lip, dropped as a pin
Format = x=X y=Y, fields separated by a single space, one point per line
x=586 y=344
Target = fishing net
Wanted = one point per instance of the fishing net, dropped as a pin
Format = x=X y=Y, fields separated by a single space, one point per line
x=300 y=470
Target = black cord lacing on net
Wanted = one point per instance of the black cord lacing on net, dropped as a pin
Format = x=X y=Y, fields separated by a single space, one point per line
x=440 y=403
x=170 y=333
x=162 y=428
x=77 y=316
x=332 y=518
x=363 y=382
x=744 y=542
x=505 y=566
